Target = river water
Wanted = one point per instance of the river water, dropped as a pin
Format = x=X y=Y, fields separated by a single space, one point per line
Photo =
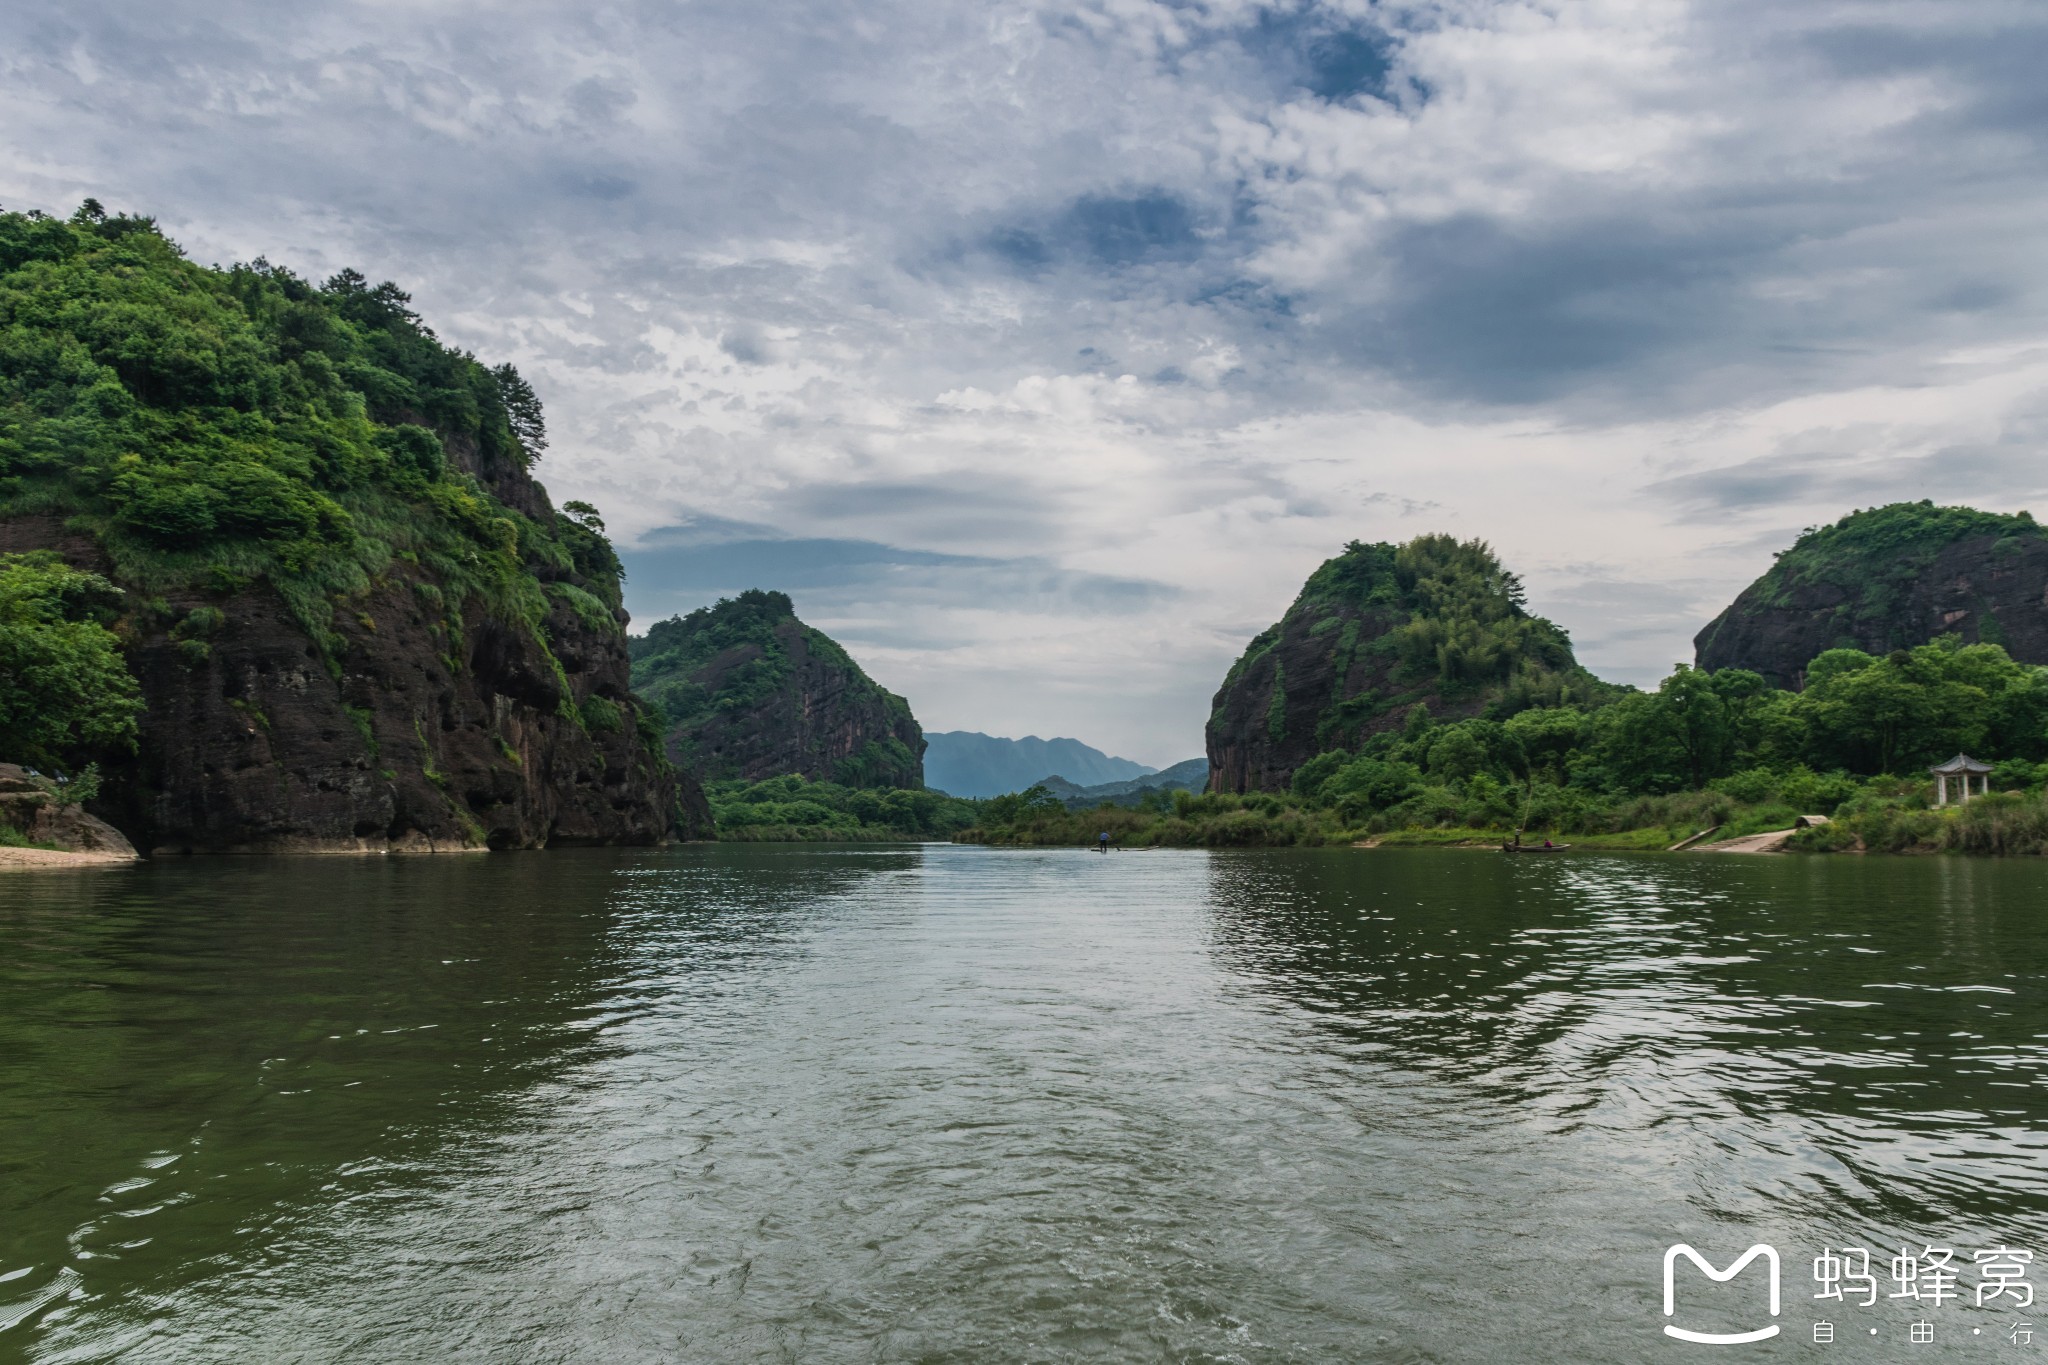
x=939 y=1104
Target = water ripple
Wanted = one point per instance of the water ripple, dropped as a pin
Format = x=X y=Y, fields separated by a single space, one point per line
x=952 y=1104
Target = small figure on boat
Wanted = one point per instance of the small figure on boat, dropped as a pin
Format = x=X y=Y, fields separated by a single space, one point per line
x=1104 y=844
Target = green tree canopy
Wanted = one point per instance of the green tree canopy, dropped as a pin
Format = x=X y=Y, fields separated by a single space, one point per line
x=65 y=693
x=1917 y=706
x=215 y=427
x=1471 y=626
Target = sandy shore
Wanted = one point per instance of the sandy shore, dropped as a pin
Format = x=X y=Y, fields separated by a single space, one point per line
x=50 y=857
x=1771 y=842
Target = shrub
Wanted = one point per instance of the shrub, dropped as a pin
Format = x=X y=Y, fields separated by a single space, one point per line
x=602 y=716
x=1814 y=793
x=65 y=692
x=1749 y=785
x=415 y=454
x=2017 y=774
x=2003 y=822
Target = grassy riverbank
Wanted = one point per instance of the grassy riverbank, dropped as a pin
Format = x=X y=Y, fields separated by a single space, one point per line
x=2002 y=823
x=1888 y=815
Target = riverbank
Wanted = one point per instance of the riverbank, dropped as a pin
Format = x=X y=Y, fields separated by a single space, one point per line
x=1891 y=816
x=11 y=856
x=1627 y=841
x=785 y=810
x=44 y=825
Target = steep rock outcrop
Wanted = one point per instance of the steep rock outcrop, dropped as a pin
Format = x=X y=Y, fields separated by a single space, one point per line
x=752 y=692
x=356 y=620
x=434 y=737
x=1889 y=578
x=1375 y=632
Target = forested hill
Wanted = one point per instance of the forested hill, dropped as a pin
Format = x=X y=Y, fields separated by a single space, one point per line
x=1890 y=578
x=1376 y=632
x=747 y=691
x=1408 y=696
x=353 y=614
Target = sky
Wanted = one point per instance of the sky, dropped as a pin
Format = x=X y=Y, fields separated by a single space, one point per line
x=1041 y=350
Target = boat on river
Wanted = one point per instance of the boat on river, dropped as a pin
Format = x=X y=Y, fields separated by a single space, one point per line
x=1534 y=848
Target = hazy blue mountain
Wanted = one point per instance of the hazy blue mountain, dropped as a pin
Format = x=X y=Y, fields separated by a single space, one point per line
x=967 y=763
x=1190 y=776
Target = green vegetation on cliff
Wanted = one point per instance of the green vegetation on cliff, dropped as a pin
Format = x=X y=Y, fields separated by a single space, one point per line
x=1379 y=629
x=66 y=696
x=220 y=427
x=1468 y=628
x=1880 y=551
x=1886 y=578
x=218 y=442
x=1473 y=720
x=749 y=691
x=1457 y=623
x=1876 y=557
x=1862 y=718
x=1630 y=769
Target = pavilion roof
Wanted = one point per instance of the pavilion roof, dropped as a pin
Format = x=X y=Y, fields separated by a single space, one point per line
x=1961 y=763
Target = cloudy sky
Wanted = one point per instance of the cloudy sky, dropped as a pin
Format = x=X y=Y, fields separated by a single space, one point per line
x=1040 y=348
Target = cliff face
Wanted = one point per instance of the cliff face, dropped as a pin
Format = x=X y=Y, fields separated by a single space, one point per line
x=1885 y=579
x=752 y=692
x=250 y=744
x=1375 y=632
x=356 y=620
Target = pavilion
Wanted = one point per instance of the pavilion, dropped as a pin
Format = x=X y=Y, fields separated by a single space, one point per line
x=1965 y=768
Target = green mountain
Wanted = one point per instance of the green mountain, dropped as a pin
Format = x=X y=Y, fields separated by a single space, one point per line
x=749 y=691
x=1889 y=578
x=1376 y=632
x=355 y=618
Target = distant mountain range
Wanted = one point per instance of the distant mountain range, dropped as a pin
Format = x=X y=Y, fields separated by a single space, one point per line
x=1190 y=776
x=967 y=763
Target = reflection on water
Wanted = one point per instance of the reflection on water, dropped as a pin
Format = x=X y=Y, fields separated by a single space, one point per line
x=1883 y=1016
x=955 y=1104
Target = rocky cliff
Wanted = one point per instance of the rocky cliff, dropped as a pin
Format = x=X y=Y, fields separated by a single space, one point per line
x=357 y=621
x=751 y=692
x=447 y=728
x=1374 y=633
x=1889 y=578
